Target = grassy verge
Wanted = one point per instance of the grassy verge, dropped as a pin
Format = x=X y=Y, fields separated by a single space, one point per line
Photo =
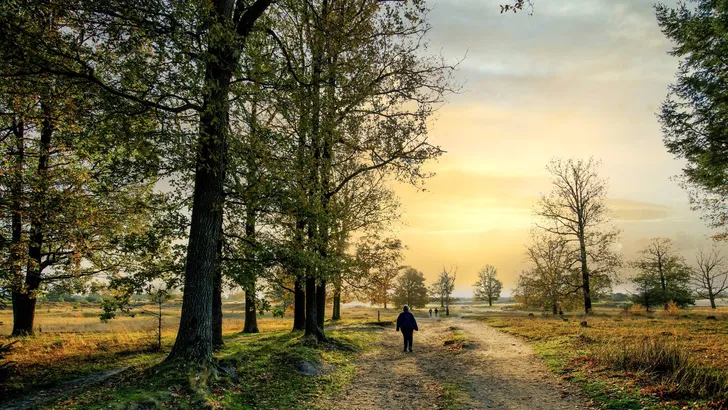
x=452 y=397
x=625 y=362
x=256 y=371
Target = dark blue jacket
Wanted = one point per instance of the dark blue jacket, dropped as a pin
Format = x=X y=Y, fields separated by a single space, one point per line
x=406 y=320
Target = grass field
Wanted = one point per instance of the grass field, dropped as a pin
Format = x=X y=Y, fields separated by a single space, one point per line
x=610 y=359
x=71 y=342
x=632 y=361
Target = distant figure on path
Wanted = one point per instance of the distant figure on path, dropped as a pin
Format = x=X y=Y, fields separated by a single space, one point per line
x=435 y=312
x=406 y=321
x=430 y=312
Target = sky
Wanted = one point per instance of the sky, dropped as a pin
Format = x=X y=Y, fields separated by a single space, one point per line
x=577 y=78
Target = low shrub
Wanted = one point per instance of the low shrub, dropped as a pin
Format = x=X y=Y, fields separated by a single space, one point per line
x=637 y=310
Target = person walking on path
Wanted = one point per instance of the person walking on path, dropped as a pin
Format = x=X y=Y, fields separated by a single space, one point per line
x=406 y=321
x=430 y=312
x=435 y=312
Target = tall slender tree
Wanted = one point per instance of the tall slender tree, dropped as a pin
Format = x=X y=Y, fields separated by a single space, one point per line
x=575 y=209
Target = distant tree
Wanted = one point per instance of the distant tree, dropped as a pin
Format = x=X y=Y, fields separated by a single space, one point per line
x=379 y=259
x=694 y=116
x=663 y=275
x=620 y=297
x=488 y=287
x=411 y=289
x=445 y=285
x=575 y=211
x=710 y=279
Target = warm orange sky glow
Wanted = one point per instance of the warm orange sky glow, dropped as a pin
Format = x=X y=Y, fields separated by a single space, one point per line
x=579 y=78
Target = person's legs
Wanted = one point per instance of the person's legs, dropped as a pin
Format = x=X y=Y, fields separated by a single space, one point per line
x=404 y=337
x=408 y=339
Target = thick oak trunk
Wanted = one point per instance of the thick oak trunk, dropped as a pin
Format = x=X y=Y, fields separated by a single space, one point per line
x=336 y=309
x=22 y=325
x=299 y=305
x=194 y=341
x=24 y=302
x=312 y=328
x=194 y=338
x=251 y=319
x=321 y=303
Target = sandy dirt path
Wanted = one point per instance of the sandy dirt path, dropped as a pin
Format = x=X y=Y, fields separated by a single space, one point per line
x=497 y=372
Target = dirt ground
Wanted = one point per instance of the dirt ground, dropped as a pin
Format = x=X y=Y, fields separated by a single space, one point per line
x=497 y=371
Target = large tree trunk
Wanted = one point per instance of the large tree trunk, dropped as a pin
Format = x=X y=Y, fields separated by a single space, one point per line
x=251 y=318
x=585 y=276
x=22 y=325
x=194 y=341
x=299 y=305
x=24 y=302
x=321 y=303
x=312 y=328
x=194 y=337
x=336 y=310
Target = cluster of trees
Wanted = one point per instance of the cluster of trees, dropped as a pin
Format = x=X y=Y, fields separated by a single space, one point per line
x=664 y=276
x=263 y=134
x=573 y=260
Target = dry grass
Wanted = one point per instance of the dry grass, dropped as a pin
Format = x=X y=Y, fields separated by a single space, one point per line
x=71 y=341
x=675 y=357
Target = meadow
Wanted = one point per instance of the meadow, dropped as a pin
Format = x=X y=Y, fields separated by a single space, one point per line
x=622 y=360
x=632 y=359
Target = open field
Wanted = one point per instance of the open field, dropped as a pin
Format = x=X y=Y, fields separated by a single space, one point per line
x=261 y=369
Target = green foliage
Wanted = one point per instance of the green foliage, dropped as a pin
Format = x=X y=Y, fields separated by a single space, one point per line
x=410 y=289
x=694 y=116
x=663 y=276
x=279 y=311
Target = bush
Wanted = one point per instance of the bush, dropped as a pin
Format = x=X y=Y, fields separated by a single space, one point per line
x=666 y=362
x=672 y=309
x=636 y=309
x=278 y=311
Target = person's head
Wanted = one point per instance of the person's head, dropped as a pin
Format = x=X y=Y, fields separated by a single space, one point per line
x=406 y=308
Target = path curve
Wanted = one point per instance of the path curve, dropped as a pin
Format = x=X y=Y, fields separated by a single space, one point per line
x=498 y=371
